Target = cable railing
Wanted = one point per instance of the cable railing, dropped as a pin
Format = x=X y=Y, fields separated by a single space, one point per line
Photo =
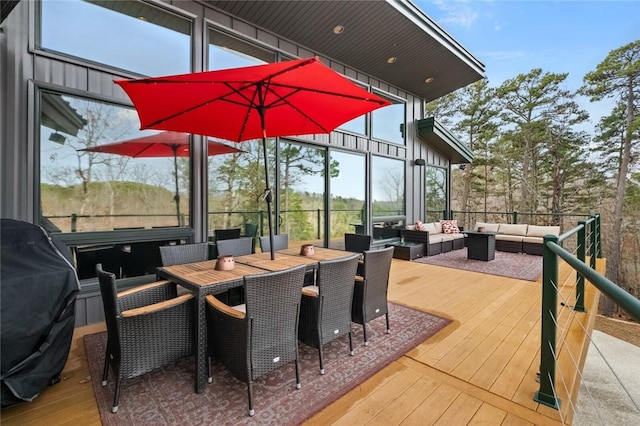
x=554 y=328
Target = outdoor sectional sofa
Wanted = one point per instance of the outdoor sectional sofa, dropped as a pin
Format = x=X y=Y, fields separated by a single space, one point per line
x=519 y=238
x=435 y=240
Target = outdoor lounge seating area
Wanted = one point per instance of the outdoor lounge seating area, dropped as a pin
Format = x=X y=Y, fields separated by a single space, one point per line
x=434 y=238
x=518 y=238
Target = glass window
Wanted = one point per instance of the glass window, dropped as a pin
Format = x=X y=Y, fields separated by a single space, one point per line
x=236 y=182
x=388 y=192
x=348 y=191
x=82 y=191
x=357 y=125
x=435 y=188
x=129 y=35
x=388 y=124
x=302 y=190
x=226 y=51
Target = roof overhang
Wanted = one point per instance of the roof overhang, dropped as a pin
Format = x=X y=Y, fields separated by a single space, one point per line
x=441 y=139
x=374 y=31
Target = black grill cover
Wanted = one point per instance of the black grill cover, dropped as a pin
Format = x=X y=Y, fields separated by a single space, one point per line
x=38 y=288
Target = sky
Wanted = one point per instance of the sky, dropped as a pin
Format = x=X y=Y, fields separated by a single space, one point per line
x=564 y=36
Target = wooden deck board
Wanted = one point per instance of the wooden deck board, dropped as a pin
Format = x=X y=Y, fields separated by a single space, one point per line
x=480 y=369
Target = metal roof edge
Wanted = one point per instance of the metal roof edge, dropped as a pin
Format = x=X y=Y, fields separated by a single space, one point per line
x=430 y=130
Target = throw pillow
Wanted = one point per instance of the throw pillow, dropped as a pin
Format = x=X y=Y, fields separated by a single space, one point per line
x=450 y=226
x=419 y=226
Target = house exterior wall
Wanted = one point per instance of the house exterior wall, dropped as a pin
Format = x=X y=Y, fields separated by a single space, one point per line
x=24 y=68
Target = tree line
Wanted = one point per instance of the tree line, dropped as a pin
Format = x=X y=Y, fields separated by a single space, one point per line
x=531 y=156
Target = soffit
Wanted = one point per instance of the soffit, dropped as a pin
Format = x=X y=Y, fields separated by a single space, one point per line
x=374 y=31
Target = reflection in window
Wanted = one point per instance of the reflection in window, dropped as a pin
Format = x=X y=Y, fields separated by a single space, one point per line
x=435 y=188
x=301 y=190
x=347 y=202
x=130 y=35
x=388 y=187
x=387 y=123
x=226 y=51
x=85 y=191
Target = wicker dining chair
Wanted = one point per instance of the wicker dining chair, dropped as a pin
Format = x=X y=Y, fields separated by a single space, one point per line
x=261 y=335
x=235 y=247
x=370 y=290
x=184 y=253
x=357 y=243
x=325 y=309
x=280 y=242
x=226 y=234
x=147 y=327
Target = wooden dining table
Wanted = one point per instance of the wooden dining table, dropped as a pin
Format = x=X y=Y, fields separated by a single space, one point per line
x=202 y=279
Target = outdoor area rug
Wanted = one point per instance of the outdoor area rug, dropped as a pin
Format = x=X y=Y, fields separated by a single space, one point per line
x=166 y=396
x=515 y=265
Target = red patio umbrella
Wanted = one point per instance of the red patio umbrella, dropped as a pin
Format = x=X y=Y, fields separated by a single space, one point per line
x=281 y=99
x=163 y=144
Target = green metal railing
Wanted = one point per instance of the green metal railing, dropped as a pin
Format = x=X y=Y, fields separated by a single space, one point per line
x=589 y=244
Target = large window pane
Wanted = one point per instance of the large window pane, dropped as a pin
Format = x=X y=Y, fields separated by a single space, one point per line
x=388 y=123
x=302 y=190
x=130 y=35
x=347 y=202
x=388 y=192
x=85 y=191
x=236 y=182
x=435 y=187
x=226 y=51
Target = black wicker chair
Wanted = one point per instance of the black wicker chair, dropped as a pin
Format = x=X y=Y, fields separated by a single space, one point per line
x=280 y=242
x=357 y=243
x=147 y=327
x=184 y=253
x=325 y=310
x=226 y=234
x=235 y=247
x=262 y=335
x=370 y=290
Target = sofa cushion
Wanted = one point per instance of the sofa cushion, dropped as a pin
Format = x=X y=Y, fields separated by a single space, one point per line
x=538 y=240
x=431 y=228
x=410 y=227
x=505 y=237
x=450 y=226
x=509 y=229
x=488 y=227
x=435 y=238
x=541 y=231
x=438 y=227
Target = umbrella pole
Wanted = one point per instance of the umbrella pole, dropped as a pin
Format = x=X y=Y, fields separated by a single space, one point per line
x=268 y=197
x=177 y=196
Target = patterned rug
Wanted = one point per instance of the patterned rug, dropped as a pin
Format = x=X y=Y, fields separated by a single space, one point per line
x=166 y=396
x=515 y=265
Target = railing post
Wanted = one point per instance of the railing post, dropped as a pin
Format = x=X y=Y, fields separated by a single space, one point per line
x=261 y=221
x=74 y=222
x=581 y=252
x=597 y=240
x=514 y=217
x=318 y=223
x=545 y=394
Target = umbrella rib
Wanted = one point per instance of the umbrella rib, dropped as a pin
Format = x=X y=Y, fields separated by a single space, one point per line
x=327 y=92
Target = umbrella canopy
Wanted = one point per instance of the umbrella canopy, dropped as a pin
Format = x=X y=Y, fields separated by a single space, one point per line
x=163 y=144
x=281 y=99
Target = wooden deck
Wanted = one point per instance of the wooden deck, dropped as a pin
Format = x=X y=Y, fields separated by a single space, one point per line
x=480 y=369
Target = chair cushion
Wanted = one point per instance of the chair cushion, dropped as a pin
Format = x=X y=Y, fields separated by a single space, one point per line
x=310 y=290
x=541 y=231
x=450 y=226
